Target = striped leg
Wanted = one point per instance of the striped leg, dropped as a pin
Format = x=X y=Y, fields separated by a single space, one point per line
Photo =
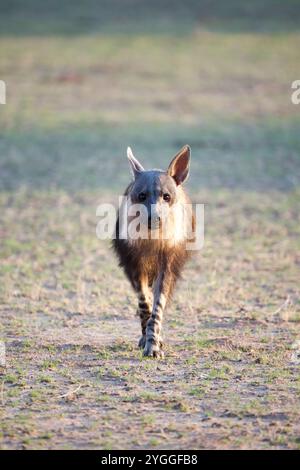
x=153 y=331
x=144 y=309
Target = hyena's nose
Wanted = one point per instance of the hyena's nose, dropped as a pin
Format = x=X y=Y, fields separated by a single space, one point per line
x=153 y=221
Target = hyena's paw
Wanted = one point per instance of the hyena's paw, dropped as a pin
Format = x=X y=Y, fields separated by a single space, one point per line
x=142 y=342
x=152 y=350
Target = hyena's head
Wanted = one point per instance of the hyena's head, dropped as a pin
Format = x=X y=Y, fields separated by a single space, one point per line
x=158 y=191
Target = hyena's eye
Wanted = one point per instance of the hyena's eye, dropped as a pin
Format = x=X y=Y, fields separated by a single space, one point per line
x=167 y=197
x=142 y=197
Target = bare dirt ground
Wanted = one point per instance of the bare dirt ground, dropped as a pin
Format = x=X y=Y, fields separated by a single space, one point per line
x=84 y=80
x=75 y=377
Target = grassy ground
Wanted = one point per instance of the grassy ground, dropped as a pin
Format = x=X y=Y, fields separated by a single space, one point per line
x=83 y=82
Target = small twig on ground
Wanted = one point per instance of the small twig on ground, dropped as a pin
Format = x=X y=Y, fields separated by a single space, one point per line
x=2 y=393
x=71 y=392
x=283 y=305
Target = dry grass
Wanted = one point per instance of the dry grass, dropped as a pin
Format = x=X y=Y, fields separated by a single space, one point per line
x=78 y=94
x=74 y=375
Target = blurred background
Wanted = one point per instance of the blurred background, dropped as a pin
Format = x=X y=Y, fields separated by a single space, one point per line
x=84 y=80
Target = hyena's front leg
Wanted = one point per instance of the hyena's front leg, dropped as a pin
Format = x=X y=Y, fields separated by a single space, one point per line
x=153 y=331
x=144 y=308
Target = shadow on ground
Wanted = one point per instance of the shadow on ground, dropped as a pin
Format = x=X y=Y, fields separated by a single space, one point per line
x=156 y=17
x=250 y=157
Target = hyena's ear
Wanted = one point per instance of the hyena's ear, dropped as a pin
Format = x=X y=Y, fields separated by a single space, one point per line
x=180 y=165
x=135 y=165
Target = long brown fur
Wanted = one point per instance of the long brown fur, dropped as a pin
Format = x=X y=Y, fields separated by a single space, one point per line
x=154 y=265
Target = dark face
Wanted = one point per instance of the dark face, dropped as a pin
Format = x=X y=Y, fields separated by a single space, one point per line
x=156 y=190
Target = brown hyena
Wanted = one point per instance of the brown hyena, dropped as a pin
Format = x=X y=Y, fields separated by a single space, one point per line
x=154 y=225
